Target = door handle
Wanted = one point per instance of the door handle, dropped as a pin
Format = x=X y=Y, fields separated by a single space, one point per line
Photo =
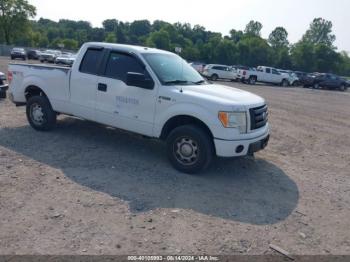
x=102 y=87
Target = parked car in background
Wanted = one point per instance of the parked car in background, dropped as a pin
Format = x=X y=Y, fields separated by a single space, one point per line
x=33 y=54
x=246 y=74
x=18 y=53
x=304 y=77
x=3 y=85
x=330 y=81
x=49 y=56
x=215 y=72
x=263 y=74
x=65 y=59
x=293 y=79
x=198 y=66
x=271 y=75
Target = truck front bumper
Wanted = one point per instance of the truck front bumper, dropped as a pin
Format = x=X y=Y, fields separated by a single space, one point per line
x=229 y=148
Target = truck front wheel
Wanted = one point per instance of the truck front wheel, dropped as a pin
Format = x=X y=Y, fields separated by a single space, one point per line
x=40 y=114
x=190 y=149
x=285 y=83
x=214 y=77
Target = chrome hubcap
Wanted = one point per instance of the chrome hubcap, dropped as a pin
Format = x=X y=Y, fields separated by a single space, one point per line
x=186 y=151
x=36 y=113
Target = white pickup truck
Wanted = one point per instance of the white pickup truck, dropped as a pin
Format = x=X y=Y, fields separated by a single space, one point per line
x=146 y=91
x=263 y=74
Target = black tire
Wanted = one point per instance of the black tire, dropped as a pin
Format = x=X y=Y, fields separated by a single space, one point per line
x=252 y=80
x=46 y=120
x=12 y=58
x=285 y=83
x=196 y=152
x=316 y=86
x=2 y=94
x=296 y=83
x=342 y=88
x=214 y=77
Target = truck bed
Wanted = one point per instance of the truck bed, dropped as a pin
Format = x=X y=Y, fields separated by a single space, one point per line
x=55 y=79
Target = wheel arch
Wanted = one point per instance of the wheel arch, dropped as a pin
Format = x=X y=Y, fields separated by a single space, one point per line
x=33 y=90
x=181 y=120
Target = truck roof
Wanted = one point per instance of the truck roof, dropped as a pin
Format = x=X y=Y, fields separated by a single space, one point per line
x=127 y=48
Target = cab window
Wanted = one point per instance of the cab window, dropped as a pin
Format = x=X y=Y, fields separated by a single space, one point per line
x=275 y=72
x=120 y=64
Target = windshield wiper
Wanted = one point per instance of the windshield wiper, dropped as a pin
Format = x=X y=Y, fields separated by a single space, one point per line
x=178 y=82
x=199 y=82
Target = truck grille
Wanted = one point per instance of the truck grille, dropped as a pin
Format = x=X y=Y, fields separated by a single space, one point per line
x=258 y=117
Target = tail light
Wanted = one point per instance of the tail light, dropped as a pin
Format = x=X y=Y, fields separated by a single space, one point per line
x=9 y=77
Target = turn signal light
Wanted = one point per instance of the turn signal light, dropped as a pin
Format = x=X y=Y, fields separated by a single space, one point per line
x=9 y=77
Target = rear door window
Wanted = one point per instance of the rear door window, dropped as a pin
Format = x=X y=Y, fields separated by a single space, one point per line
x=91 y=61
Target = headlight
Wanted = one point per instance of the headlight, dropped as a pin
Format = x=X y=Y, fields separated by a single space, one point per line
x=234 y=120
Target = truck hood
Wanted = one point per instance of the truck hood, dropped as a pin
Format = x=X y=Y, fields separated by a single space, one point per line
x=223 y=95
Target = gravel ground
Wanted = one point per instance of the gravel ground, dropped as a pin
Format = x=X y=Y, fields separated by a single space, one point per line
x=88 y=189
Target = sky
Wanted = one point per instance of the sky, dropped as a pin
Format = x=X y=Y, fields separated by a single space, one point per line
x=215 y=15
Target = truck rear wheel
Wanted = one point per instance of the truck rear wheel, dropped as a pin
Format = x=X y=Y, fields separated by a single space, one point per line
x=190 y=149
x=252 y=80
x=342 y=88
x=40 y=114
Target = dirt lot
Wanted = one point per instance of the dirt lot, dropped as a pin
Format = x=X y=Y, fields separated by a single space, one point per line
x=88 y=189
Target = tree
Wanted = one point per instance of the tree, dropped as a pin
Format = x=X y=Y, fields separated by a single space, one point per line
x=344 y=65
x=140 y=28
x=111 y=38
x=14 y=17
x=320 y=32
x=303 y=56
x=56 y=43
x=70 y=44
x=159 y=39
x=235 y=35
x=226 y=52
x=282 y=58
x=254 y=51
x=279 y=38
x=326 y=59
x=97 y=34
x=110 y=25
x=253 y=28
x=158 y=25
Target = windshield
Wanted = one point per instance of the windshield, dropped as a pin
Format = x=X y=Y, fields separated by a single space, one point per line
x=173 y=70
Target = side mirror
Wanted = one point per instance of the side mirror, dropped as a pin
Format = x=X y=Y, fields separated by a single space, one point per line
x=139 y=80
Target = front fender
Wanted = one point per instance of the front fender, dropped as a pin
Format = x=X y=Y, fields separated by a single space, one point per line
x=184 y=109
